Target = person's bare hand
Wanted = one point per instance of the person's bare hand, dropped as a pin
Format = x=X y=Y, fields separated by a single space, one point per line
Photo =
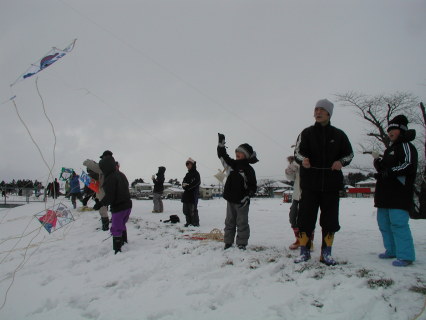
x=337 y=165
x=306 y=163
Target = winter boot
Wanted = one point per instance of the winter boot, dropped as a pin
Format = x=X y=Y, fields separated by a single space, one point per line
x=117 y=242
x=296 y=244
x=105 y=224
x=124 y=236
x=326 y=257
x=386 y=255
x=305 y=253
x=402 y=263
x=227 y=246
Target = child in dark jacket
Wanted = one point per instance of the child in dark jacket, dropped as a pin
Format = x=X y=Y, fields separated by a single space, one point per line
x=396 y=173
x=117 y=196
x=158 y=190
x=240 y=185
x=191 y=186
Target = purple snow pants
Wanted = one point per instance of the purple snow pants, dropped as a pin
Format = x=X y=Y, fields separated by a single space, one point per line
x=119 y=220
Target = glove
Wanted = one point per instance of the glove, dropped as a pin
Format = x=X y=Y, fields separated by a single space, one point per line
x=184 y=185
x=97 y=205
x=375 y=154
x=245 y=201
x=381 y=175
x=221 y=139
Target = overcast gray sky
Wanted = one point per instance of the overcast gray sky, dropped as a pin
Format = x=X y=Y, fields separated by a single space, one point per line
x=155 y=81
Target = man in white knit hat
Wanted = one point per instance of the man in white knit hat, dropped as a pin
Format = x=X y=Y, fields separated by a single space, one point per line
x=321 y=151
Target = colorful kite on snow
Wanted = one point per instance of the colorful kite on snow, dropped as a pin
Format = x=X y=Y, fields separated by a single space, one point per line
x=55 y=217
x=51 y=57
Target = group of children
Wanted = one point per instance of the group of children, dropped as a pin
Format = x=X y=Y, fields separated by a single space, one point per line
x=320 y=153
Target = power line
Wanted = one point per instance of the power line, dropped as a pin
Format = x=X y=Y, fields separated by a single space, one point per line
x=170 y=72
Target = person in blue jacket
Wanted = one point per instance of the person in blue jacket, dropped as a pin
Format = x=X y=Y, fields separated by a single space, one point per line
x=396 y=173
x=75 y=189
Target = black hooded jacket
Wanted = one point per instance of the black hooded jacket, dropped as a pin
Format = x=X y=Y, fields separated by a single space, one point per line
x=323 y=145
x=159 y=180
x=116 y=186
x=241 y=181
x=396 y=174
x=192 y=189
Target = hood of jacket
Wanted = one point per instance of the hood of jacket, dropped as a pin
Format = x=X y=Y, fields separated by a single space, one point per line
x=107 y=165
x=194 y=167
x=161 y=171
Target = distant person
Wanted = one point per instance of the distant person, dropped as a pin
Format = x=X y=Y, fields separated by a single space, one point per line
x=49 y=189
x=158 y=181
x=396 y=174
x=75 y=191
x=67 y=189
x=117 y=196
x=321 y=151
x=240 y=185
x=56 y=190
x=191 y=186
x=94 y=166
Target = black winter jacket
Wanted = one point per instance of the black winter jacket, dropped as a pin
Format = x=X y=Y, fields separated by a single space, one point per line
x=396 y=174
x=192 y=190
x=241 y=181
x=159 y=181
x=115 y=185
x=323 y=145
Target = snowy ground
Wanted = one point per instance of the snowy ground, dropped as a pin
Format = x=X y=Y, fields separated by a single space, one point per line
x=73 y=274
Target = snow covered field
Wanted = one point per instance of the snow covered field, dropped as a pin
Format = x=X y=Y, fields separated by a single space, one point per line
x=74 y=274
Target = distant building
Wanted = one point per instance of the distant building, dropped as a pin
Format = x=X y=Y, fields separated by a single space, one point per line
x=209 y=192
x=362 y=189
x=173 y=192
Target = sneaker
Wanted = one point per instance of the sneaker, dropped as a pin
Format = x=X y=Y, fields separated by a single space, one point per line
x=242 y=247
x=227 y=246
x=401 y=263
x=386 y=255
x=326 y=257
x=305 y=255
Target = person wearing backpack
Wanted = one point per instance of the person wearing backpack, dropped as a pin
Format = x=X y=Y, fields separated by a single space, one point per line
x=94 y=167
x=396 y=174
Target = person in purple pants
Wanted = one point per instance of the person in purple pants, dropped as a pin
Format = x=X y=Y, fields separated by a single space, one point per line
x=117 y=196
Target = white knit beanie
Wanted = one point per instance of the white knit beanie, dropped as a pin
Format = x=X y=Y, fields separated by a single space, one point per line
x=326 y=105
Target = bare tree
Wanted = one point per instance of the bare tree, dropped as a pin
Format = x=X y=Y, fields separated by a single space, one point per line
x=378 y=111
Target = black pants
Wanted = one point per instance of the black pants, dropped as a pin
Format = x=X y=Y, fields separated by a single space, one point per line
x=310 y=202
x=191 y=213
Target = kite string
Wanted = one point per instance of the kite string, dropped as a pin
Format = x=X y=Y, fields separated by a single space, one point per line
x=18 y=267
x=171 y=73
x=29 y=133
x=21 y=264
x=24 y=259
x=54 y=144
